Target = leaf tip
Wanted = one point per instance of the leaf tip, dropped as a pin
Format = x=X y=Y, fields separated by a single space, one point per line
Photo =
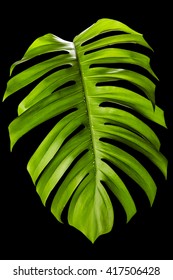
x=151 y=199
x=130 y=215
x=3 y=98
x=12 y=68
x=6 y=94
x=11 y=145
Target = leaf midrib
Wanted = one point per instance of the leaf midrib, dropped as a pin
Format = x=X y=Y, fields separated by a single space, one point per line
x=88 y=114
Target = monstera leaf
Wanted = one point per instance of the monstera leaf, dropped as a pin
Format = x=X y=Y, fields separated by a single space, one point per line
x=99 y=98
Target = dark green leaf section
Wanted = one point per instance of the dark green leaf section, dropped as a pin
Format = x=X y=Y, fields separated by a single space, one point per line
x=73 y=161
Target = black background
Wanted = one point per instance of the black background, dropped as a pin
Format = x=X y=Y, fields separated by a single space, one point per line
x=29 y=230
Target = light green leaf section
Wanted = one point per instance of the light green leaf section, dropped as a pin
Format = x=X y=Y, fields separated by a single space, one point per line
x=44 y=110
x=90 y=206
x=52 y=143
x=102 y=26
x=116 y=55
x=33 y=73
x=129 y=138
x=131 y=167
x=132 y=100
x=113 y=40
x=75 y=161
x=45 y=44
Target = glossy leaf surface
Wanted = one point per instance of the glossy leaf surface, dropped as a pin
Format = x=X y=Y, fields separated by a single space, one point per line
x=84 y=86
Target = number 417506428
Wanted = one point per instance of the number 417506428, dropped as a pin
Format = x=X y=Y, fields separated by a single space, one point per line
x=126 y=270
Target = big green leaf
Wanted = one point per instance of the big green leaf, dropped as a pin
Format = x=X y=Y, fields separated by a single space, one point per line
x=101 y=99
